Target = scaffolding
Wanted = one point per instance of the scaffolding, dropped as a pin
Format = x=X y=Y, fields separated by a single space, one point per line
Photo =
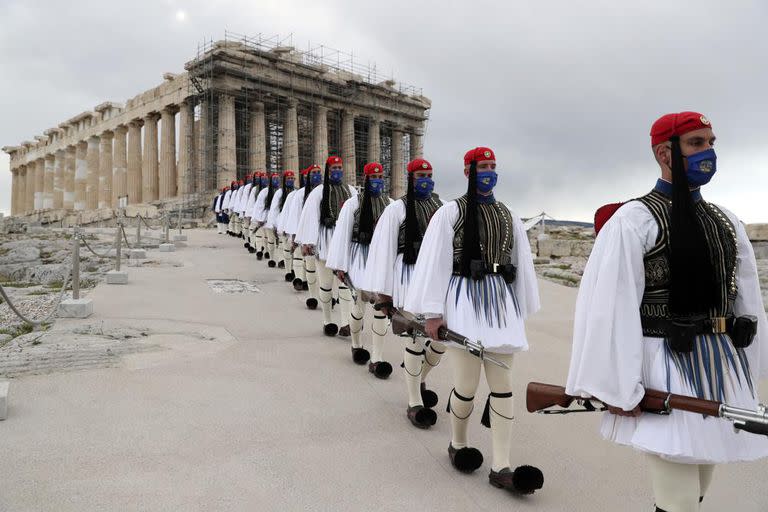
x=205 y=79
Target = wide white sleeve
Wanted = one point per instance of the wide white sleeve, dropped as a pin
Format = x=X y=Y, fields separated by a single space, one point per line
x=259 y=207
x=607 y=353
x=308 y=229
x=749 y=299
x=249 y=202
x=380 y=267
x=292 y=221
x=526 y=283
x=283 y=214
x=227 y=196
x=432 y=273
x=244 y=199
x=217 y=204
x=274 y=209
x=338 y=252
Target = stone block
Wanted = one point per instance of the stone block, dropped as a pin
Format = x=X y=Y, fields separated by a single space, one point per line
x=117 y=277
x=757 y=232
x=137 y=254
x=553 y=247
x=167 y=247
x=179 y=238
x=76 y=308
x=4 y=388
x=761 y=250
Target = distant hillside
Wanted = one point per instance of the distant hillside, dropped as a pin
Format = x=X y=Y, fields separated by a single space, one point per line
x=567 y=223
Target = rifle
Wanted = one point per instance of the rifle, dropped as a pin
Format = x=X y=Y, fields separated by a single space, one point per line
x=347 y=281
x=405 y=324
x=540 y=397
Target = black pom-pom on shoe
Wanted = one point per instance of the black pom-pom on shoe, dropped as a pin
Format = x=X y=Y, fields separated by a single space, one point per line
x=428 y=397
x=465 y=459
x=289 y=277
x=380 y=369
x=421 y=417
x=259 y=255
x=304 y=286
x=271 y=263
x=297 y=285
x=311 y=303
x=281 y=264
x=330 y=329
x=523 y=480
x=360 y=355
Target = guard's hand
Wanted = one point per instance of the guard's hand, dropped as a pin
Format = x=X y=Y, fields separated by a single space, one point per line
x=432 y=326
x=308 y=250
x=341 y=275
x=618 y=411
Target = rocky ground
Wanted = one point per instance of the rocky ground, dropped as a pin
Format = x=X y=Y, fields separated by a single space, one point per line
x=33 y=266
x=562 y=255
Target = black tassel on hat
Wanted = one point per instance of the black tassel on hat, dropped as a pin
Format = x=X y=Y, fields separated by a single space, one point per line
x=365 y=228
x=693 y=289
x=411 y=223
x=325 y=204
x=471 y=240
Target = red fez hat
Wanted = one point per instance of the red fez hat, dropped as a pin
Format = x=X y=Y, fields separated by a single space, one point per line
x=313 y=167
x=333 y=160
x=304 y=172
x=248 y=176
x=233 y=183
x=274 y=174
x=241 y=182
x=678 y=124
x=478 y=154
x=289 y=174
x=419 y=165
x=372 y=168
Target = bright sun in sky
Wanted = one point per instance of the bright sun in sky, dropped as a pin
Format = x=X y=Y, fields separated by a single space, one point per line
x=181 y=15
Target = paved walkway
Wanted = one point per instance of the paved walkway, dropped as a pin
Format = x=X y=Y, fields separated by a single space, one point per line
x=274 y=416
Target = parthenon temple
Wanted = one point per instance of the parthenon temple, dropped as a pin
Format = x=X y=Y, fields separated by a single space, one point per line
x=242 y=104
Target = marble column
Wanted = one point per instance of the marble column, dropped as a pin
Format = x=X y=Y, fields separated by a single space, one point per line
x=207 y=177
x=119 y=166
x=105 y=170
x=39 y=183
x=320 y=135
x=374 y=140
x=14 y=191
x=133 y=182
x=291 y=134
x=92 y=183
x=417 y=144
x=149 y=163
x=81 y=175
x=257 y=148
x=397 y=175
x=70 y=166
x=348 y=147
x=196 y=180
x=58 y=180
x=167 y=179
x=48 y=182
x=21 y=194
x=185 y=179
x=226 y=169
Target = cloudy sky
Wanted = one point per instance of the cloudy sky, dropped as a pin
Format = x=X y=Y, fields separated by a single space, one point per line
x=563 y=90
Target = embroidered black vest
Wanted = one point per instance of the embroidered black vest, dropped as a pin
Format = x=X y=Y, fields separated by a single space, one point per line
x=377 y=206
x=337 y=195
x=721 y=239
x=496 y=236
x=425 y=209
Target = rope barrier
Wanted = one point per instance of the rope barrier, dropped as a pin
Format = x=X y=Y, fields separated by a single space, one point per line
x=105 y=255
x=44 y=320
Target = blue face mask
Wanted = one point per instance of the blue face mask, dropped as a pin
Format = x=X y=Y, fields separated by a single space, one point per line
x=264 y=182
x=701 y=167
x=486 y=181
x=275 y=182
x=422 y=187
x=375 y=186
x=336 y=176
x=315 y=178
x=289 y=182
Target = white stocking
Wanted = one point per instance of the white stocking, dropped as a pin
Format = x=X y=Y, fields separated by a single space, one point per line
x=466 y=376
x=501 y=409
x=432 y=355
x=298 y=266
x=677 y=487
x=310 y=267
x=345 y=302
x=413 y=361
x=378 y=332
x=325 y=279
x=356 y=323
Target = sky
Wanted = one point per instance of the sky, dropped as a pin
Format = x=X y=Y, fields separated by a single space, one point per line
x=564 y=91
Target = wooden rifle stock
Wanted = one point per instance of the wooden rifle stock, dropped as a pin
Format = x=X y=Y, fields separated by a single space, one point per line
x=541 y=396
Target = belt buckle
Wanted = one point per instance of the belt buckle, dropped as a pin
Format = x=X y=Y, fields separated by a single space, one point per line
x=496 y=268
x=718 y=325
